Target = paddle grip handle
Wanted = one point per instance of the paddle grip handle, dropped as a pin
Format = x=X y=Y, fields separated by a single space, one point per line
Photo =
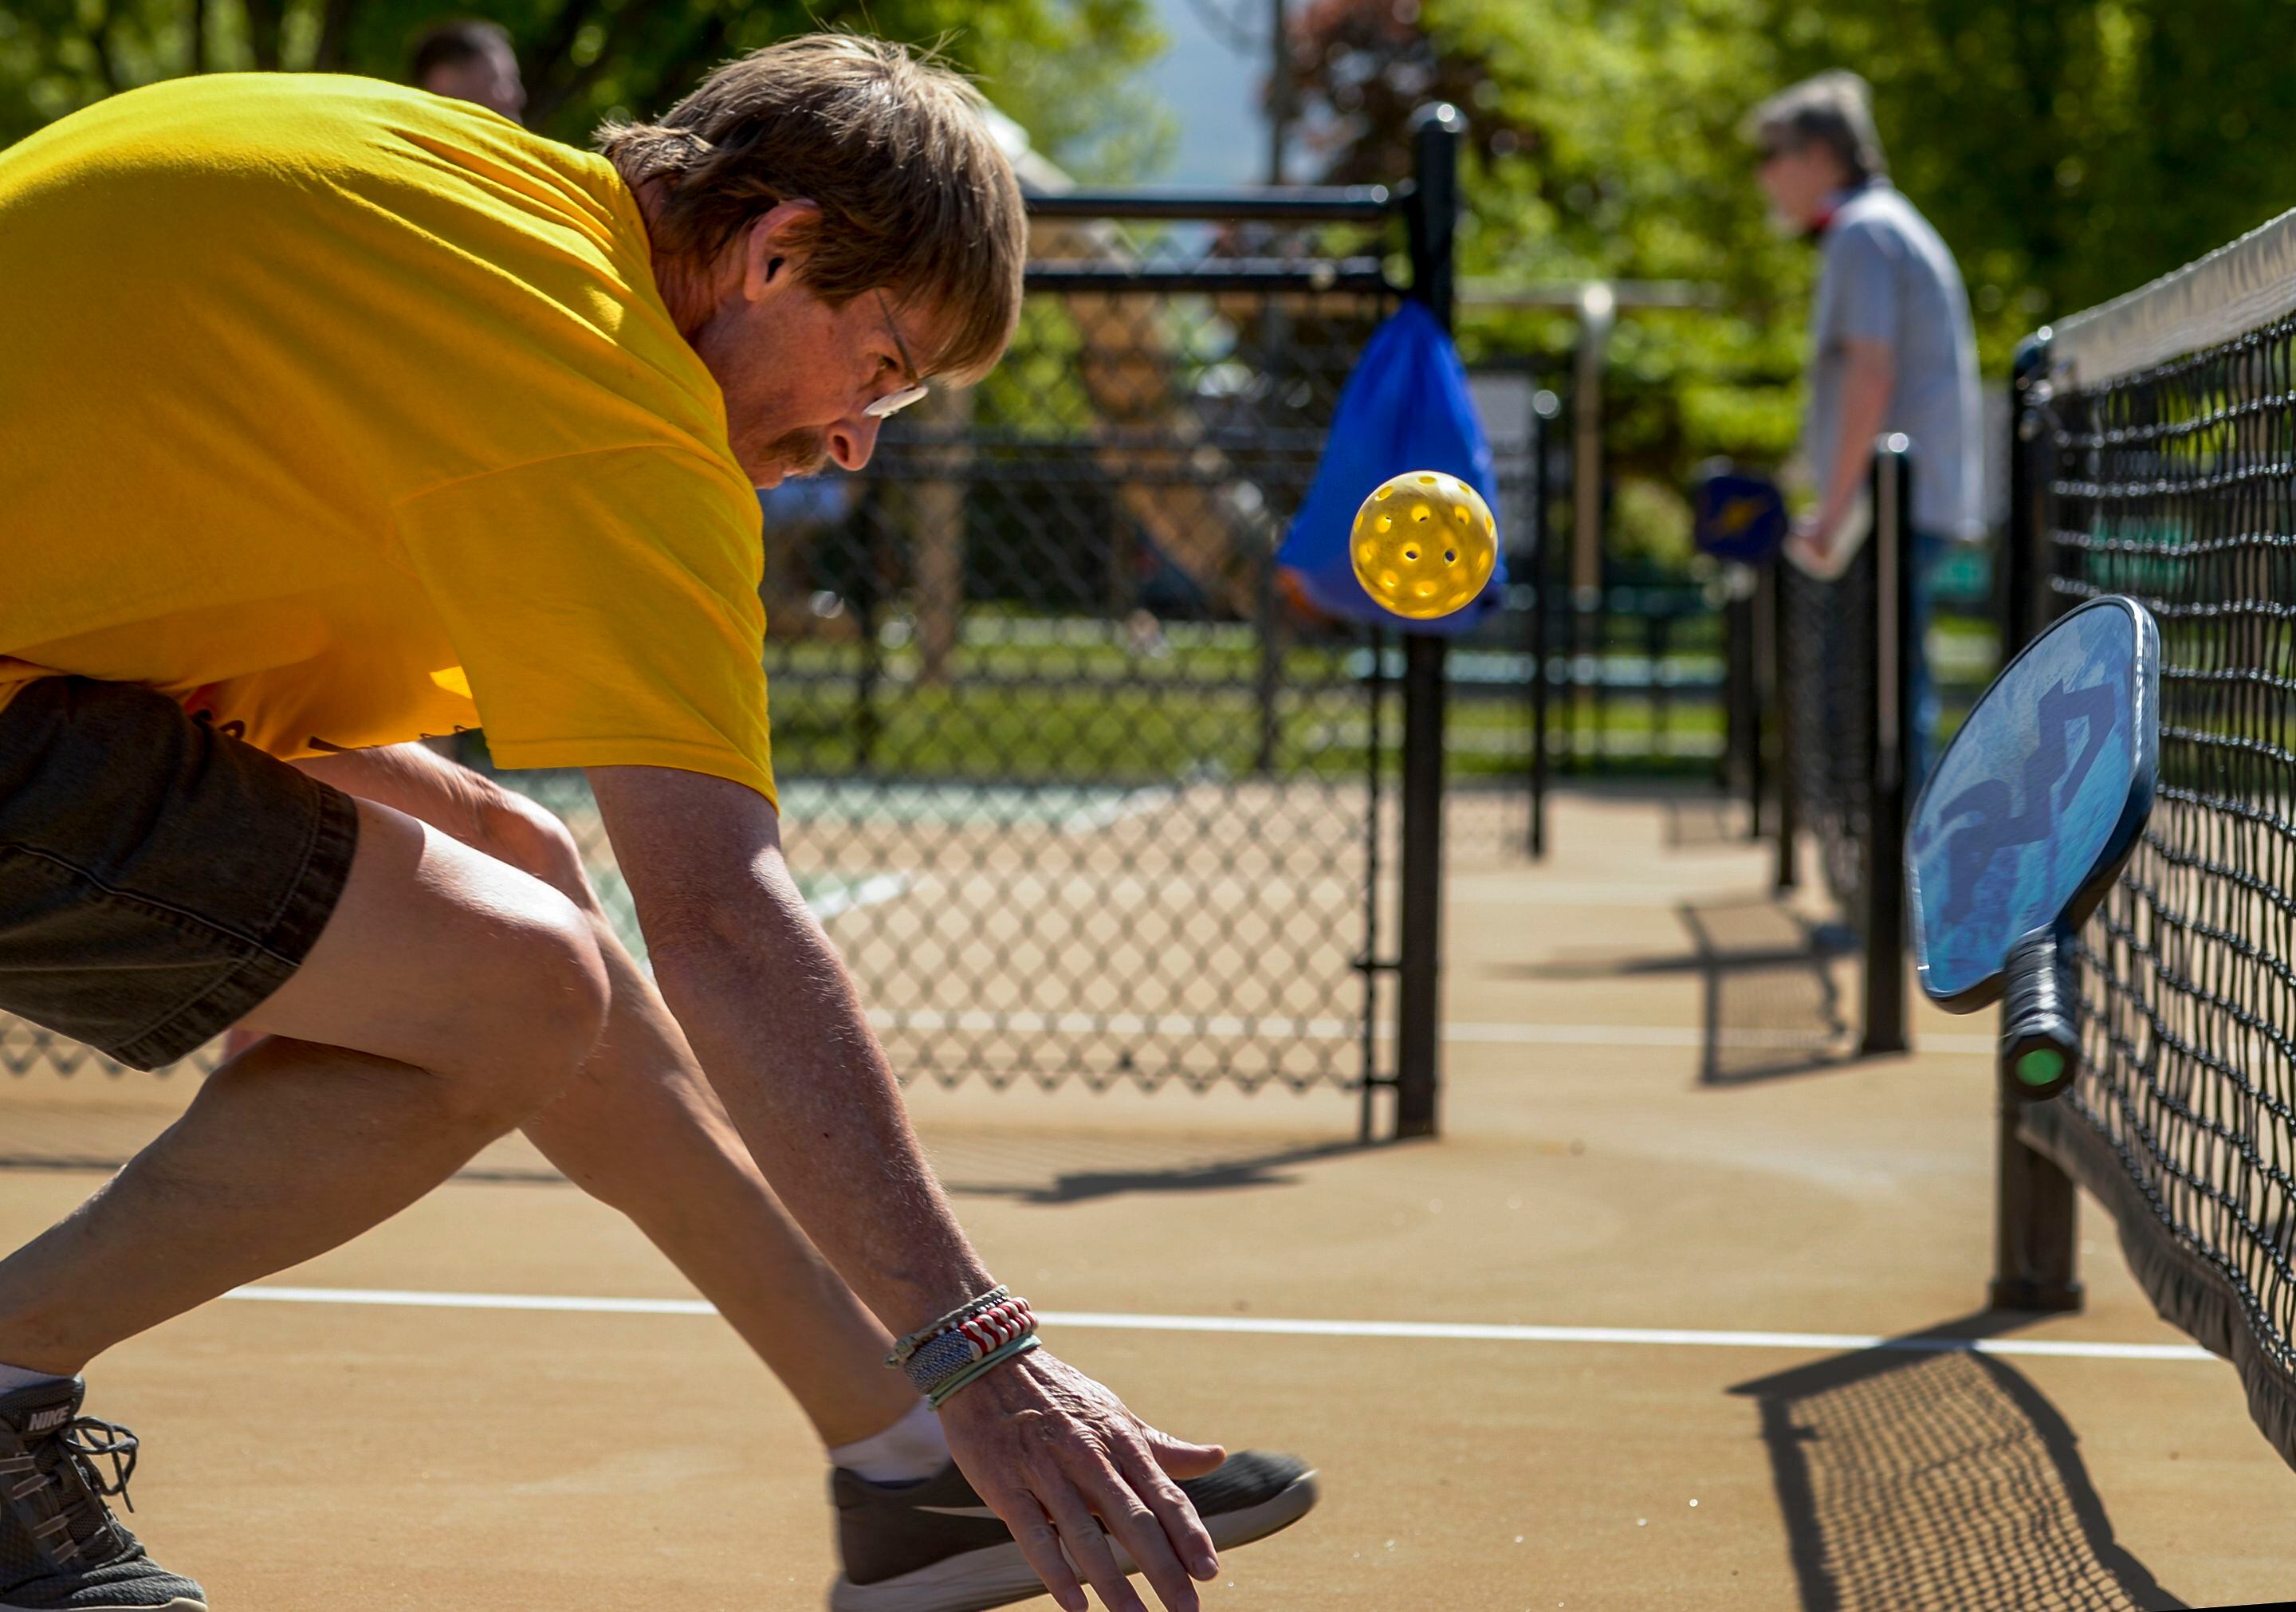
x=2040 y=1044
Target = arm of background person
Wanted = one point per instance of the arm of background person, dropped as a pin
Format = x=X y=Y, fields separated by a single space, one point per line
x=778 y=1025
x=1869 y=372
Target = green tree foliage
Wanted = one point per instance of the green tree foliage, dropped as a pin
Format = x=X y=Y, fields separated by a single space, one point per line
x=2068 y=151
x=1065 y=70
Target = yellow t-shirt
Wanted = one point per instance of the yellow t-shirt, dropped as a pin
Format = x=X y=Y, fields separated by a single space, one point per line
x=346 y=415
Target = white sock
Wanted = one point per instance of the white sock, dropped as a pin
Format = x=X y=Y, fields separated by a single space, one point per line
x=909 y=1452
x=12 y=1377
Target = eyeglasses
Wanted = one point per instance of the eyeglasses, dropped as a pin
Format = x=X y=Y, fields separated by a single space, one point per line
x=893 y=402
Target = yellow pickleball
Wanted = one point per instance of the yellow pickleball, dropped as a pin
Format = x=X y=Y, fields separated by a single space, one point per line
x=1424 y=544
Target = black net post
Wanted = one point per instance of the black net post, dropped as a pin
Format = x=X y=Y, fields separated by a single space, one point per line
x=1785 y=827
x=1433 y=217
x=1740 y=768
x=1545 y=591
x=2024 y=579
x=2035 y=1235
x=1760 y=629
x=1891 y=651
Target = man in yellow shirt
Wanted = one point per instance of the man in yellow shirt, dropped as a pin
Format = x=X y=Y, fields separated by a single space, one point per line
x=336 y=415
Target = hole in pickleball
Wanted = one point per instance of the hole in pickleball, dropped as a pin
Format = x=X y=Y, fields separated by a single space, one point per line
x=2040 y=1066
x=1385 y=523
x=1450 y=556
x=1426 y=479
x=1411 y=553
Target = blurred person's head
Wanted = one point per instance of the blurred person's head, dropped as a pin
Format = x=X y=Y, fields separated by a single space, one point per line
x=470 y=61
x=1814 y=139
x=832 y=221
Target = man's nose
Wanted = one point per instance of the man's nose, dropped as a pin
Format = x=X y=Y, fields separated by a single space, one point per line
x=852 y=441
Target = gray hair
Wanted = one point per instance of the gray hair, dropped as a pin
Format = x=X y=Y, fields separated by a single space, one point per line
x=1833 y=110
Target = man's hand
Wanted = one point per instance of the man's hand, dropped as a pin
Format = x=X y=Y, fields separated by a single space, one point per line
x=1050 y=1449
x=1811 y=544
x=780 y=1030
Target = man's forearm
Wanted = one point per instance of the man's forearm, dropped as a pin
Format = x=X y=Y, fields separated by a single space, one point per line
x=774 y=1018
x=1865 y=405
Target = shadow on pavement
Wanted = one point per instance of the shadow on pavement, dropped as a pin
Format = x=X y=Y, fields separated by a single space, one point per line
x=1918 y=1475
x=1705 y=822
x=1769 y=1006
x=1078 y=1169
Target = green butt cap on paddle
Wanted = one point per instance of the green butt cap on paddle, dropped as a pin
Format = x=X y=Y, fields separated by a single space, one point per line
x=2041 y=1067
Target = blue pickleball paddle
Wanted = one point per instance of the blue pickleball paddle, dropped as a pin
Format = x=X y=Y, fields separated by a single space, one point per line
x=2027 y=820
x=1738 y=517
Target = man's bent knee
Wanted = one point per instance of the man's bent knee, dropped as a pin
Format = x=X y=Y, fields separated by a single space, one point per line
x=440 y=956
x=535 y=1023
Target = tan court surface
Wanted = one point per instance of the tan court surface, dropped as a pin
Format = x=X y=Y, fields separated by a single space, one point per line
x=326 y=1455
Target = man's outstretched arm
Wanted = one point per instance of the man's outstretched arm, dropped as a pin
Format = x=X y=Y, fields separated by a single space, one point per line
x=775 y=1020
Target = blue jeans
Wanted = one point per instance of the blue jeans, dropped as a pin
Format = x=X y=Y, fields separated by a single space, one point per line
x=1929 y=552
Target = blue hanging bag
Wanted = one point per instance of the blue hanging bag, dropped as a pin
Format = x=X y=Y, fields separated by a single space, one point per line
x=1406 y=408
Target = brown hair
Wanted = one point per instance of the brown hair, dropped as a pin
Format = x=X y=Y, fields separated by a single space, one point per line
x=915 y=195
x=1835 y=111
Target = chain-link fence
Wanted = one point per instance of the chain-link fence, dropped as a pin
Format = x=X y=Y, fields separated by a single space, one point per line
x=1072 y=789
x=1081 y=803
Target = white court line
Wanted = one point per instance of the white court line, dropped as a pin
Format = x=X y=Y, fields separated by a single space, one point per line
x=867 y=893
x=1449 y=1331
x=1107 y=814
x=1662 y=1035
x=979 y=1021
x=1533 y=894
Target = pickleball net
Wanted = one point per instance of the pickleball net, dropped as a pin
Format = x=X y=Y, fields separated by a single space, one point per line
x=1826 y=698
x=2161 y=437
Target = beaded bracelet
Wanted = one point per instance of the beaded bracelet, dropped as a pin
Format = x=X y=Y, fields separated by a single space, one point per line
x=957 y=1317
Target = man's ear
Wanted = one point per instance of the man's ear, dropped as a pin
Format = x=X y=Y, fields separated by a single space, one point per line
x=777 y=246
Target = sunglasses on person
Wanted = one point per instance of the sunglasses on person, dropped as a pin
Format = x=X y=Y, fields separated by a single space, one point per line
x=893 y=402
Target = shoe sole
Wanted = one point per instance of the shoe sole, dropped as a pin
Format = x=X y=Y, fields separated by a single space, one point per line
x=1001 y=1575
x=177 y=1605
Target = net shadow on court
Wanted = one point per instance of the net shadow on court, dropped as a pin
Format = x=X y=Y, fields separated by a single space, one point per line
x=1769 y=1005
x=1918 y=1475
x=1704 y=823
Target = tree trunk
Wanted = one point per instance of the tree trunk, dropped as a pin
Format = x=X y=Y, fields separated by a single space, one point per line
x=263 y=18
x=335 y=36
x=552 y=64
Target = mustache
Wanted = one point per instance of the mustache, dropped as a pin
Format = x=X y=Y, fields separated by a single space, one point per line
x=804 y=453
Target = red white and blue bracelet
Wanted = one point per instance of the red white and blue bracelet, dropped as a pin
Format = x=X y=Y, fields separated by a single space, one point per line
x=965 y=1344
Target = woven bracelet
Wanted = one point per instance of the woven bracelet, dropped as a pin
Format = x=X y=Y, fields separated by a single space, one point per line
x=957 y=1317
x=982 y=1368
x=941 y=1357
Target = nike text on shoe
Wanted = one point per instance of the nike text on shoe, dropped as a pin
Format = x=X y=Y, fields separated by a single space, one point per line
x=60 y=1547
x=935 y=1547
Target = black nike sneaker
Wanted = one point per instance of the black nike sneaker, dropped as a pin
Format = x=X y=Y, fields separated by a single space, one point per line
x=60 y=1547
x=935 y=1547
